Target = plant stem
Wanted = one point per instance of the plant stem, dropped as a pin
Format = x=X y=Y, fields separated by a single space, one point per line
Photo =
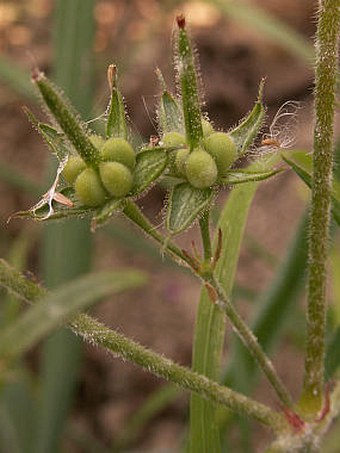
x=245 y=334
x=325 y=81
x=116 y=343
x=205 y=234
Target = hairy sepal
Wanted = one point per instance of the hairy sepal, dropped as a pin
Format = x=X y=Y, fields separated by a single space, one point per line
x=241 y=176
x=150 y=164
x=245 y=133
x=116 y=125
x=104 y=213
x=186 y=204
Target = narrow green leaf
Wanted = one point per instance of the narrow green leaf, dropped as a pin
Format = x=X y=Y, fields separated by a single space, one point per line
x=150 y=164
x=245 y=133
x=103 y=214
x=60 y=305
x=67 y=118
x=189 y=86
x=54 y=139
x=210 y=324
x=116 y=119
x=332 y=360
x=240 y=176
x=302 y=164
x=186 y=203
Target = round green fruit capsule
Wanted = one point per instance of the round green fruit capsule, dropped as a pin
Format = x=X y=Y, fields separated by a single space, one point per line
x=75 y=165
x=89 y=188
x=223 y=149
x=207 y=128
x=116 y=178
x=173 y=140
x=119 y=150
x=200 y=169
x=180 y=159
x=97 y=141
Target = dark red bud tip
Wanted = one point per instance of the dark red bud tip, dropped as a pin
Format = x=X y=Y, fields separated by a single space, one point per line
x=36 y=74
x=181 y=21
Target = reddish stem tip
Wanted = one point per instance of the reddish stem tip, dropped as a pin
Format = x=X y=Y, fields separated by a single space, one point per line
x=181 y=21
x=36 y=74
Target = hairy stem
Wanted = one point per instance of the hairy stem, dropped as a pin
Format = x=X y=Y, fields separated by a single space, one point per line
x=245 y=334
x=325 y=81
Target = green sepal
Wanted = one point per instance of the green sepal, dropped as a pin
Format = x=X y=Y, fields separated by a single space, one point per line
x=189 y=87
x=150 y=164
x=53 y=138
x=247 y=130
x=185 y=204
x=243 y=175
x=68 y=119
x=60 y=211
x=170 y=116
x=104 y=213
x=116 y=118
x=302 y=164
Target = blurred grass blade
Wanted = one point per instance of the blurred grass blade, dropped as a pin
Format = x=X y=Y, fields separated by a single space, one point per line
x=16 y=77
x=274 y=29
x=332 y=361
x=210 y=324
x=57 y=307
x=154 y=404
x=18 y=180
x=67 y=247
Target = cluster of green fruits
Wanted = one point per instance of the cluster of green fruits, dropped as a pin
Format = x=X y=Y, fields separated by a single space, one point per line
x=114 y=177
x=210 y=161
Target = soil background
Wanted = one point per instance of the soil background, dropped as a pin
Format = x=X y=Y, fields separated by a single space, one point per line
x=233 y=58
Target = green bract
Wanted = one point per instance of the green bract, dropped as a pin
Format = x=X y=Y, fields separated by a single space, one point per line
x=119 y=150
x=116 y=178
x=200 y=169
x=89 y=189
x=222 y=148
x=75 y=165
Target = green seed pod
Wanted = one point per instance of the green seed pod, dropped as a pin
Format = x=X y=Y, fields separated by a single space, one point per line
x=173 y=140
x=207 y=128
x=222 y=148
x=200 y=169
x=75 y=165
x=97 y=140
x=181 y=157
x=116 y=178
x=119 y=150
x=89 y=188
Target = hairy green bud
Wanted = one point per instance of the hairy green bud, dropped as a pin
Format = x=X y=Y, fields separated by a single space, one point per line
x=97 y=140
x=173 y=140
x=180 y=159
x=116 y=178
x=119 y=150
x=222 y=148
x=75 y=165
x=207 y=128
x=89 y=188
x=200 y=169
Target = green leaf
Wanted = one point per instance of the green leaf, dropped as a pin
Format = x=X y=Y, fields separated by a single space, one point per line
x=186 y=203
x=245 y=133
x=54 y=139
x=116 y=119
x=302 y=164
x=240 y=176
x=210 y=324
x=59 y=306
x=105 y=213
x=150 y=164
x=332 y=360
x=188 y=84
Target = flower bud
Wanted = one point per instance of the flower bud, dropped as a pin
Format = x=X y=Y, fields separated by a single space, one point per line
x=200 y=169
x=173 y=140
x=89 y=188
x=119 y=150
x=97 y=140
x=116 y=178
x=222 y=148
x=180 y=159
x=75 y=165
x=207 y=128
